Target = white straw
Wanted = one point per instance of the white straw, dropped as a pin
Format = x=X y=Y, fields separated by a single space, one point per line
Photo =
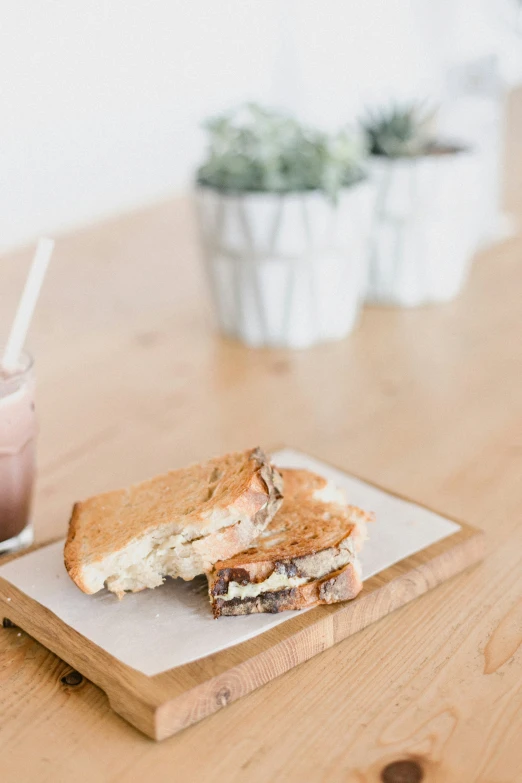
x=27 y=303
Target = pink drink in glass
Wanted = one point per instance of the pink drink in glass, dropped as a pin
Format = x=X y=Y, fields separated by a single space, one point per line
x=17 y=455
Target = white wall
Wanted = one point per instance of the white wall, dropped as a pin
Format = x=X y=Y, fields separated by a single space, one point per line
x=101 y=99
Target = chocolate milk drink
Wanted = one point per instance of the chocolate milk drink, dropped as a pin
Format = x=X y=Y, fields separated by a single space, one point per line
x=17 y=455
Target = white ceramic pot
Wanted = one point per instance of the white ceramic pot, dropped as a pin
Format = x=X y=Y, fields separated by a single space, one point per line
x=426 y=227
x=286 y=270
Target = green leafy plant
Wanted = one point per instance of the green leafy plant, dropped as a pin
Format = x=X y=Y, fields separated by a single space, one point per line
x=257 y=149
x=400 y=132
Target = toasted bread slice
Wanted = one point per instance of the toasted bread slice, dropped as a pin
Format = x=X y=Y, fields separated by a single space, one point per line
x=306 y=556
x=177 y=524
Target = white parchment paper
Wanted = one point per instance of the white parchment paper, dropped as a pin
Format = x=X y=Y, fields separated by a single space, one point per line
x=155 y=630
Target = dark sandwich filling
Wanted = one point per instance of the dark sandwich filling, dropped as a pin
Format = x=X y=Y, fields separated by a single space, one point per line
x=235 y=584
x=272 y=603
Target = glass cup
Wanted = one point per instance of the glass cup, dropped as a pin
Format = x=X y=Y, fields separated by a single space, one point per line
x=17 y=455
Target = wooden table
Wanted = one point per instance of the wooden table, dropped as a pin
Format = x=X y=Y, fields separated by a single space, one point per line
x=132 y=380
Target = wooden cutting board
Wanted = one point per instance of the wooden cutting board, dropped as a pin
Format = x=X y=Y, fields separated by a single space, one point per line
x=163 y=704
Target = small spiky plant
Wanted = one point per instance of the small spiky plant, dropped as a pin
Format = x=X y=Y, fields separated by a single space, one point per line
x=400 y=131
x=255 y=149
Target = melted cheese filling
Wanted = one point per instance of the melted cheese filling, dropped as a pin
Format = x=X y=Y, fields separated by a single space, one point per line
x=274 y=582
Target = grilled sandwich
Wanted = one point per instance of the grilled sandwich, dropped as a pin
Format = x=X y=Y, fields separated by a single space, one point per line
x=307 y=555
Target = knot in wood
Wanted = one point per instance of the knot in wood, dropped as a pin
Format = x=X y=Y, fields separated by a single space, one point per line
x=406 y=771
x=223 y=697
x=72 y=679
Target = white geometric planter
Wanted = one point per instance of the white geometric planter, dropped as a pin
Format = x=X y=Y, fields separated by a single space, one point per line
x=426 y=227
x=286 y=269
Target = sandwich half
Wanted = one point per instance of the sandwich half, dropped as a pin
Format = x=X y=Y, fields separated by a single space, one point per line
x=177 y=524
x=306 y=556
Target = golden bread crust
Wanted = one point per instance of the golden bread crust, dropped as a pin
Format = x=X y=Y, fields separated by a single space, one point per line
x=186 y=499
x=302 y=526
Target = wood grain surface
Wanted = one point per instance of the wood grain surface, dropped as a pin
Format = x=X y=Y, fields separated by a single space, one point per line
x=132 y=379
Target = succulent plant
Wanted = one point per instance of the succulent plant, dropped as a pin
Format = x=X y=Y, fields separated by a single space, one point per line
x=400 y=131
x=257 y=149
